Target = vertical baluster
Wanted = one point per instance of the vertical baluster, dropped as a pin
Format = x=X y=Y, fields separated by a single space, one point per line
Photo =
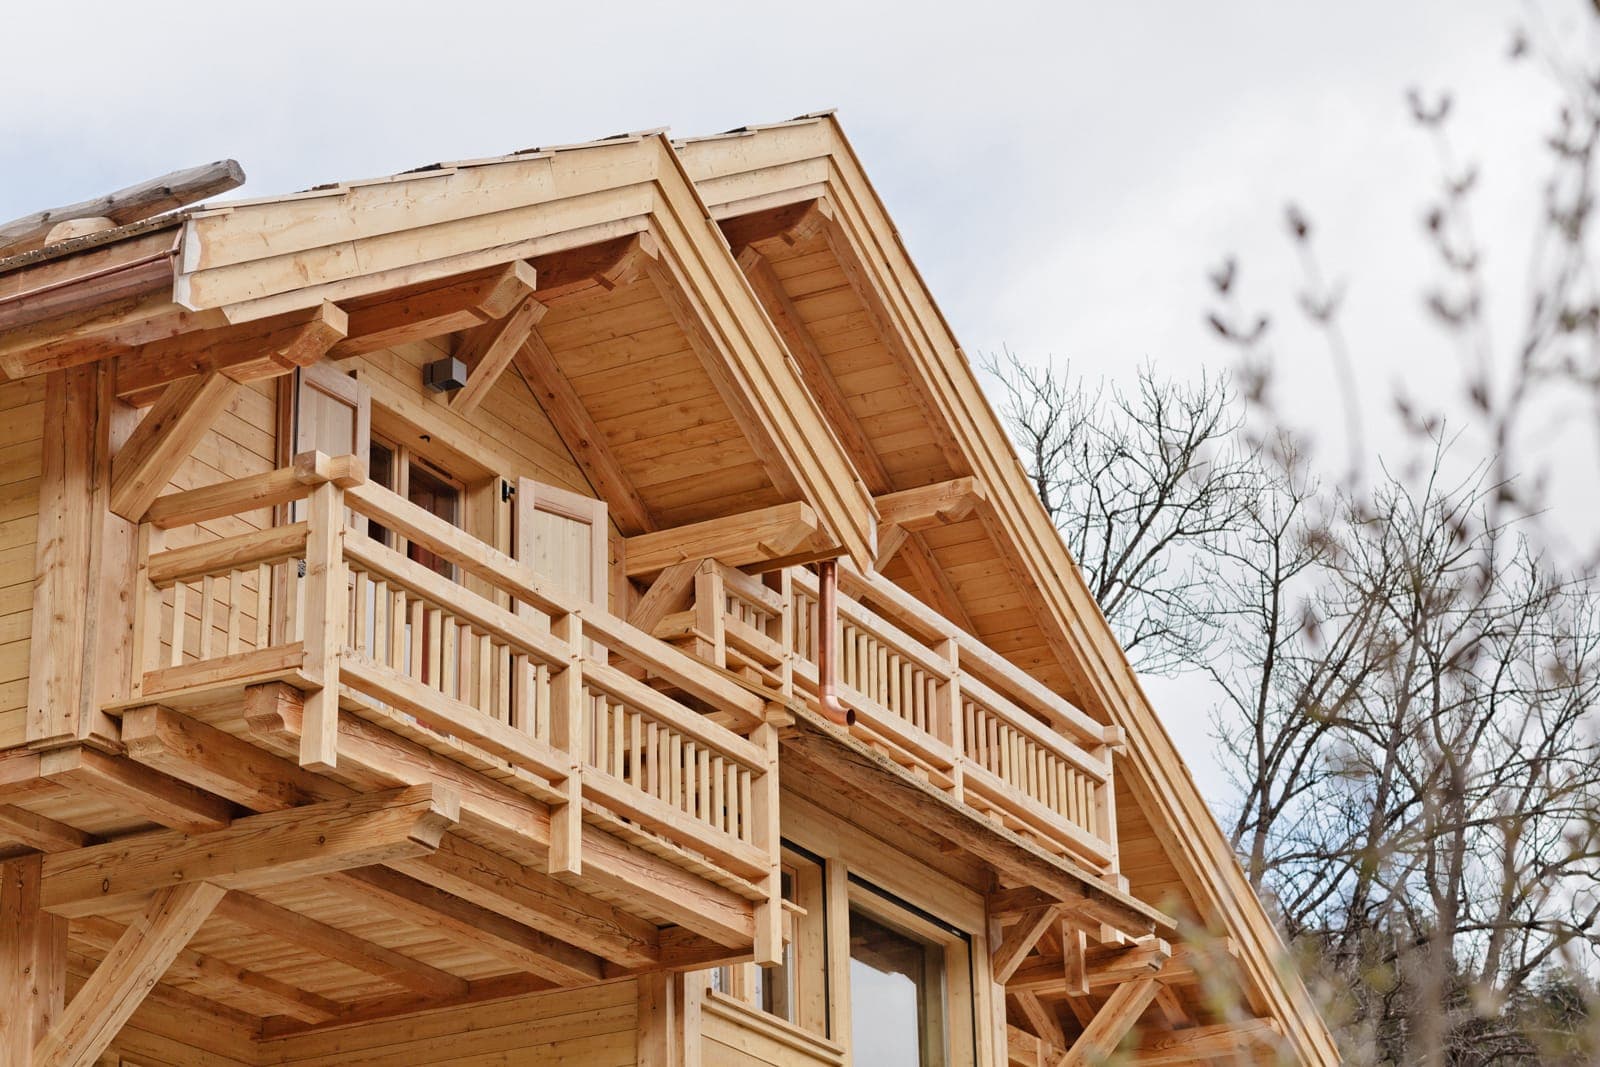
x=746 y=828
x=601 y=740
x=618 y=748
x=691 y=777
x=358 y=627
x=893 y=679
x=522 y=706
x=719 y=806
x=263 y=604
x=503 y=661
x=635 y=749
x=486 y=687
x=735 y=812
x=180 y=622
x=235 y=612
x=652 y=750
x=450 y=655
x=705 y=812
x=675 y=770
x=208 y=604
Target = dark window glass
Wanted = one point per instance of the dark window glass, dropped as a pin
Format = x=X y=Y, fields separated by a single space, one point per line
x=896 y=996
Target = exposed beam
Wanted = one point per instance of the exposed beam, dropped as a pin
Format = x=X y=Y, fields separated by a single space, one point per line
x=1245 y=1041
x=930 y=506
x=775 y=228
x=1105 y=966
x=1019 y=941
x=136 y=789
x=260 y=850
x=272 y=996
x=487 y=351
x=890 y=541
x=245 y=353
x=1110 y=1024
x=164 y=439
x=467 y=923
x=675 y=293
x=430 y=309
x=583 y=438
x=1042 y=1019
x=135 y=203
x=735 y=540
x=38 y=832
x=935 y=583
x=135 y=963
x=603 y=266
x=336 y=944
x=535 y=899
x=228 y=766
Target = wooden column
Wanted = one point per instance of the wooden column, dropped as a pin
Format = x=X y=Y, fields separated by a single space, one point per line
x=325 y=609
x=568 y=734
x=82 y=565
x=33 y=969
x=767 y=837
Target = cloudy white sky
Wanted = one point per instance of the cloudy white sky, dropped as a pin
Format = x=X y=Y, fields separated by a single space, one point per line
x=1064 y=173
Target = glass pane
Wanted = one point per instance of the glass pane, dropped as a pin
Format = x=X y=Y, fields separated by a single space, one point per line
x=896 y=988
x=433 y=494
x=381 y=470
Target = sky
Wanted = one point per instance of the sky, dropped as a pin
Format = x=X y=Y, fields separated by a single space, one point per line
x=1065 y=174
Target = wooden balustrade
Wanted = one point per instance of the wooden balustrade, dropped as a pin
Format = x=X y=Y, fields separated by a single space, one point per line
x=554 y=686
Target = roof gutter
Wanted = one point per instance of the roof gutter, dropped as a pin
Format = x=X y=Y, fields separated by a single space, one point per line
x=147 y=273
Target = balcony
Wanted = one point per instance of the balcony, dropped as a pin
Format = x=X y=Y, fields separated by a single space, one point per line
x=480 y=671
x=924 y=693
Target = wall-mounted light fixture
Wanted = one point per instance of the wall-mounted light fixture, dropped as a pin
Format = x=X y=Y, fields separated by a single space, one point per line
x=445 y=375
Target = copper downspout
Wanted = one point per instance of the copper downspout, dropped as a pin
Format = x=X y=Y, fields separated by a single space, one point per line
x=828 y=645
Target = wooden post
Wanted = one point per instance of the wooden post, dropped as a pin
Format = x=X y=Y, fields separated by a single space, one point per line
x=324 y=624
x=950 y=724
x=767 y=836
x=567 y=734
x=710 y=615
x=1105 y=809
x=33 y=953
x=64 y=659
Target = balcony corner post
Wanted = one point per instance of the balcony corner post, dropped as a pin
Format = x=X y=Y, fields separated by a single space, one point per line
x=567 y=735
x=326 y=608
x=766 y=834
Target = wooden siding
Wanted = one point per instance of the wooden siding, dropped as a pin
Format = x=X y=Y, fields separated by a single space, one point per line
x=21 y=433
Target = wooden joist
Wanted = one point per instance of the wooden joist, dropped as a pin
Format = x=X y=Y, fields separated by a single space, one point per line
x=603 y=266
x=487 y=351
x=135 y=203
x=930 y=506
x=38 y=831
x=394 y=967
x=255 y=851
x=244 y=353
x=735 y=540
x=135 y=789
x=135 y=963
x=583 y=438
x=164 y=439
x=1105 y=966
x=431 y=309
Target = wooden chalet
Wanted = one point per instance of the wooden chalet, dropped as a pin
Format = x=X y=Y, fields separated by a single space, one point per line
x=573 y=607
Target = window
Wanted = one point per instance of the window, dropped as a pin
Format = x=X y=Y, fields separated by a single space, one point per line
x=897 y=995
x=430 y=488
x=796 y=989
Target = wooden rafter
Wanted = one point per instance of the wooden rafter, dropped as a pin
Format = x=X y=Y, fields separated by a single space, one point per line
x=135 y=963
x=736 y=540
x=164 y=439
x=255 y=851
x=603 y=266
x=487 y=351
x=244 y=353
x=934 y=582
x=930 y=506
x=432 y=309
x=583 y=438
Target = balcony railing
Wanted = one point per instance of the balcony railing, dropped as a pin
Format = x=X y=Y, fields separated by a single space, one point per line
x=480 y=650
x=928 y=695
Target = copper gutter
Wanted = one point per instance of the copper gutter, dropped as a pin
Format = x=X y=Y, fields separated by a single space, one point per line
x=132 y=278
x=828 y=645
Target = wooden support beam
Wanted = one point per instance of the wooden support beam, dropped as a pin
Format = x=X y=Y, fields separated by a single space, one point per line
x=735 y=540
x=1169 y=1006
x=776 y=228
x=670 y=592
x=930 y=506
x=890 y=541
x=336 y=944
x=166 y=437
x=136 y=789
x=1110 y=1024
x=487 y=351
x=1042 y=1019
x=135 y=203
x=535 y=899
x=135 y=963
x=1105 y=966
x=256 y=851
x=267 y=489
x=272 y=996
x=33 y=945
x=1247 y=1041
x=244 y=353
x=462 y=921
x=38 y=832
x=1019 y=941
x=1074 y=960
x=935 y=583
x=220 y=763
x=583 y=438
x=591 y=268
x=434 y=308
